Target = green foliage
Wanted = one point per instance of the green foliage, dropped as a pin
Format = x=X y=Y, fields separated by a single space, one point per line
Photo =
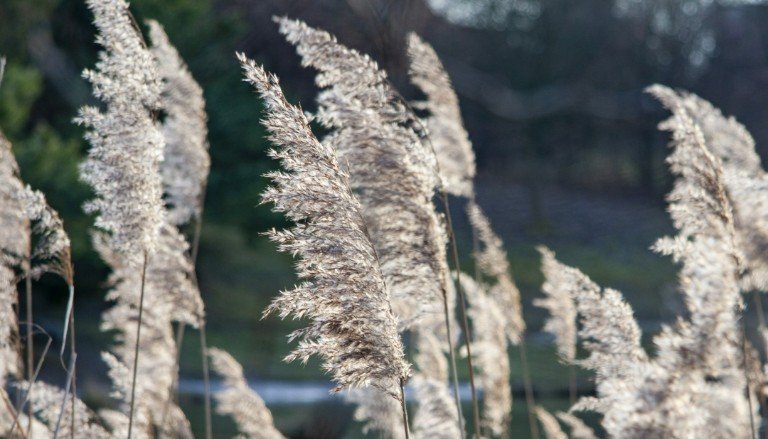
x=19 y=90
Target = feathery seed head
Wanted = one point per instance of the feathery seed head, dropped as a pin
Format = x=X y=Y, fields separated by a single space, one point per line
x=186 y=162
x=455 y=156
x=238 y=401
x=393 y=173
x=343 y=290
x=126 y=144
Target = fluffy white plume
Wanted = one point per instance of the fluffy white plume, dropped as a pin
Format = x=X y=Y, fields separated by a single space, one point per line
x=186 y=162
x=455 y=156
x=47 y=405
x=342 y=291
x=391 y=171
x=552 y=428
x=126 y=143
x=489 y=355
x=493 y=263
x=239 y=401
x=579 y=430
x=562 y=311
x=378 y=412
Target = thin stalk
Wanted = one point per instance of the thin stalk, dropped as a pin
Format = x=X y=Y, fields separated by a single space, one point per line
x=530 y=401
x=10 y=408
x=136 y=350
x=572 y=384
x=67 y=388
x=203 y=338
x=30 y=336
x=180 y=328
x=29 y=389
x=453 y=366
x=206 y=383
x=405 y=411
x=465 y=320
x=73 y=354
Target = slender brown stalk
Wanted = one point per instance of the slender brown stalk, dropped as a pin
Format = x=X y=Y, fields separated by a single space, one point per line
x=67 y=389
x=180 y=328
x=73 y=354
x=572 y=383
x=29 y=389
x=136 y=350
x=462 y=301
x=454 y=373
x=405 y=411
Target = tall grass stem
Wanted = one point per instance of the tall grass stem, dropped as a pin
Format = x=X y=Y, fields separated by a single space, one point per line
x=136 y=350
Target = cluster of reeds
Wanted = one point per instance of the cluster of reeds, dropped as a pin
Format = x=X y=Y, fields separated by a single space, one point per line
x=377 y=260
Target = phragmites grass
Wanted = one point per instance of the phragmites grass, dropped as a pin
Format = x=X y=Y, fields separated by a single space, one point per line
x=561 y=322
x=378 y=412
x=239 y=402
x=455 y=156
x=691 y=387
x=123 y=165
x=494 y=264
x=123 y=168
x=436 y=414
x=26 y=214
x=186 y=161
x=744 y=178
x=14 y=244
x=392 y=173
x=184 y=169
x=552 y=428
x=343 y=290
x=490 y=355
x=579 y=430
x=47 y=406
x=170 y=295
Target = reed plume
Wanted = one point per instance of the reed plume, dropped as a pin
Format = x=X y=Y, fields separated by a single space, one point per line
x=123 y=167
x=26 y=214
x=552 y=428
x=170 y=294
x=186 y=162
x=343 y=290
x=489 y=320
x=688 y=388
x=579 y=430
x=378 y=412
x=745 y=180
x=15 y=241
x=123 y=162
x=455 y=156
x=436 y=414
x=494 y=264
x=561 y=322
x=393 y=173
x=239 y=402
x=47 y=406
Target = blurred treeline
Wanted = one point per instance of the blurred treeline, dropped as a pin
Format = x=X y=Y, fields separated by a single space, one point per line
x=554 y=99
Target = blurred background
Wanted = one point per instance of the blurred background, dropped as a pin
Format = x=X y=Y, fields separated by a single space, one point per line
x=552 y=96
